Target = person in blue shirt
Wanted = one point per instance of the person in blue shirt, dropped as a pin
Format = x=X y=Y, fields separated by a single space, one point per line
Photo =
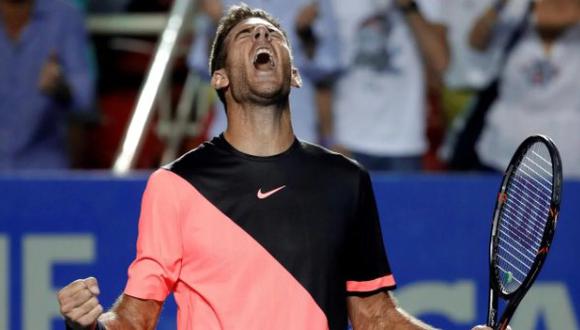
x=45 y=79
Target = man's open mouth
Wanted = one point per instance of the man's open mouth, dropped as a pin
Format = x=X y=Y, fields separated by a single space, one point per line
x=263 y=59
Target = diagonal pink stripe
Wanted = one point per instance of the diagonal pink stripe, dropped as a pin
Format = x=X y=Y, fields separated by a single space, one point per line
x=222 y=277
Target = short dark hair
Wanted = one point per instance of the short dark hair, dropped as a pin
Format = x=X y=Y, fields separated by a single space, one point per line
x=234 y=15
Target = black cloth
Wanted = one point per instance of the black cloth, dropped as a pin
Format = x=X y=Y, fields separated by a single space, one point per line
x=322 y=226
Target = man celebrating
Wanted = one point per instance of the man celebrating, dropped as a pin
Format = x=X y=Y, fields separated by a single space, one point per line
x=253 y=229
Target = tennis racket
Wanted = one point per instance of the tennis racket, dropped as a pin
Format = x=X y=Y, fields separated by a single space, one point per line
x=523 y=226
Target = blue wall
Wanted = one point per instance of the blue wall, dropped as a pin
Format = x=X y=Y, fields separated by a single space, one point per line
x=56 y=229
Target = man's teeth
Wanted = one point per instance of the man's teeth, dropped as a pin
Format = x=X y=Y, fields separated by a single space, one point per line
x=263 y=51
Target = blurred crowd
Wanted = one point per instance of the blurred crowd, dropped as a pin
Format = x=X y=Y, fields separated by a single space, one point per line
x=399 y=85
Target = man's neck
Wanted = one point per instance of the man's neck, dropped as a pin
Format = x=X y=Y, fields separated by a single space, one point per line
x=258 y=130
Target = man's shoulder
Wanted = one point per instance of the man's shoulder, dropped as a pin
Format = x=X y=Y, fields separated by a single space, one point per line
x=193 y=160
x=329 y=158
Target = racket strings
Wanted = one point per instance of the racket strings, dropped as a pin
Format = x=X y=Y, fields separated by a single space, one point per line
x=523 y=217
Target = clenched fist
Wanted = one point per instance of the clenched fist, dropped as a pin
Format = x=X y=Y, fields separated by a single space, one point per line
x=79 y=303
x=50 y=75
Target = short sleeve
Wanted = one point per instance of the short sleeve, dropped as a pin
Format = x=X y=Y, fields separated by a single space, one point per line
x=368 y=269
x=155 y=270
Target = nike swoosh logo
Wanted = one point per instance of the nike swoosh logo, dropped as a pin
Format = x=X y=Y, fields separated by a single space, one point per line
x=263 y=195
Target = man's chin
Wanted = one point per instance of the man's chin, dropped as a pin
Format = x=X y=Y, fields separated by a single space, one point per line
x=271 y=97
x=273 y=91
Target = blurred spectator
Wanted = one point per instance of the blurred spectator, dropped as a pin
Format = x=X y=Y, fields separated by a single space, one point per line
x=149 y=5
x=107 y=6
x=45 y=80
x=311 y=28
x=388 y=49
x=471 y=80
x=119 y=6
x=539 y=83
x=469 y=70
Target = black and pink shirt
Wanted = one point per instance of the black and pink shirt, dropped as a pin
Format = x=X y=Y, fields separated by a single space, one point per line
x=248 y=242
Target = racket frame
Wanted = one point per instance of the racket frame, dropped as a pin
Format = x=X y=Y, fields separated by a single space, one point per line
x=495 y=292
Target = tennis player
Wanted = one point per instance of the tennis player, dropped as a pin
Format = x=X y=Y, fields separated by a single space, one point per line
x=253 y=229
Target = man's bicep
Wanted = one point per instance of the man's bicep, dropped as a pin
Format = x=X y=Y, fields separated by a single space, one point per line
x=132 y=313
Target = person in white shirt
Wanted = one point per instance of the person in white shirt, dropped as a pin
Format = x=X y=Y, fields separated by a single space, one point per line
x=469 y=70
x=379 y=107
x=539 y=84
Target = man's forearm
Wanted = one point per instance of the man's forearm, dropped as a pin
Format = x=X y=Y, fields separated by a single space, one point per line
x=324 y=107
x=482 y=30
x=131 y=313
x=380 y=311
x=431 y=39
x=401 y=320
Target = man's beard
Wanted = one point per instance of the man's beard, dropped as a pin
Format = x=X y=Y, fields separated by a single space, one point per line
x=278 y=96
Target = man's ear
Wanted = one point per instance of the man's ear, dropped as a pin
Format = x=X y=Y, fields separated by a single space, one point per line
x=219 y=79
x=296 y=78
